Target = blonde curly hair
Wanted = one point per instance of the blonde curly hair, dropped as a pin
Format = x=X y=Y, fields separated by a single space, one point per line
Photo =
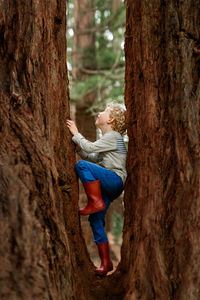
x=119 y=115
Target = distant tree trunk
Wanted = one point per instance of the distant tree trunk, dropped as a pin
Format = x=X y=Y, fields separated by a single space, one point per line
x=161 y=249
x=115 y=5
x=84 y=57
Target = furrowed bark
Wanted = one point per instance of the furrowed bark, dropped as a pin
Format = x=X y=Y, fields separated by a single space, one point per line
x=41 y=243
x=163 y=186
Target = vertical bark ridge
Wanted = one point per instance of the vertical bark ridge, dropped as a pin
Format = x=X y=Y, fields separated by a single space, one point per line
x=162 y=99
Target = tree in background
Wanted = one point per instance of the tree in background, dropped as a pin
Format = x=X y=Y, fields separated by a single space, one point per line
x=83 y=47
x=104 y=76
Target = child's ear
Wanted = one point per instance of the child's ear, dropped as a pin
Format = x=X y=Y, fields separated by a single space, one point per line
x=111 y=120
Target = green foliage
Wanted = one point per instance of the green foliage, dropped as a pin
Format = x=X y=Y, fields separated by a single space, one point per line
x=80 y=88
x=105 y=74
x=117 y=226
x=105 y=58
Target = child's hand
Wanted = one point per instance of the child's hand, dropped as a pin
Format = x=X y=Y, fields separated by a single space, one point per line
x=72 y=127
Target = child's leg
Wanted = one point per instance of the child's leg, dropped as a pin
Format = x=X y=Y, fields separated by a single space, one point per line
x=97 y=223
x=111 y=188
x=95 y=201
x=97 y=180
x=111 y=183
x=84 y=172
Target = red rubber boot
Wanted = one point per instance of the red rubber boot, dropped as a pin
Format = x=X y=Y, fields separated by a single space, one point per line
x=106 y=263
x=95 y=201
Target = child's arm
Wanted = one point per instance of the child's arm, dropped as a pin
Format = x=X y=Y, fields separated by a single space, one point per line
x=106 y=143
x=93 y=157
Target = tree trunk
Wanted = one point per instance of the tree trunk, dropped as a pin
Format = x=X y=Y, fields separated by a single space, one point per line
x=163 y=188
x=42 y=252
x=43 y=255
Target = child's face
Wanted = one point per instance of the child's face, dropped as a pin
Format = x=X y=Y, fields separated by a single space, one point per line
x=103 y=117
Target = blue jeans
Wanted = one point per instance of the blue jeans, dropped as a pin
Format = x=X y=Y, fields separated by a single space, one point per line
x=111 y=188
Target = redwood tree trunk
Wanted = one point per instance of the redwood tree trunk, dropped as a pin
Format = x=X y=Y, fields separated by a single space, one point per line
x=162 y=217
x=42 y=253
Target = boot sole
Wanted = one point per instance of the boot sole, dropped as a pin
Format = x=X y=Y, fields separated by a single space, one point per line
x=103 y=273
x=90 y=213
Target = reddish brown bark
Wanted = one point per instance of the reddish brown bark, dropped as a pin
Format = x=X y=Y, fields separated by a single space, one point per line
x=42 y=252
x=41 y=245
x=161 y=252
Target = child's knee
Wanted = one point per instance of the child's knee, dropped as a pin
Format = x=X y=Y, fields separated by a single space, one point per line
x=91 y=219
x=80 y=165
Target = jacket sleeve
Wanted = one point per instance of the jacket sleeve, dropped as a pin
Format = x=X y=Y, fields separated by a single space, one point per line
x=93 y=157
x=106 y=143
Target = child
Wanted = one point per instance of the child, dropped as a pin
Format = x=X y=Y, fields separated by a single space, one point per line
x=103 y=182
